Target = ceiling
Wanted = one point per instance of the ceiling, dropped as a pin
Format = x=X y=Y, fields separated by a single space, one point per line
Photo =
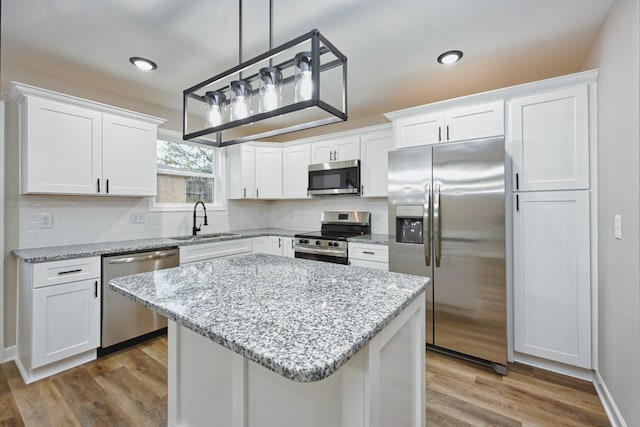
x=391 y=46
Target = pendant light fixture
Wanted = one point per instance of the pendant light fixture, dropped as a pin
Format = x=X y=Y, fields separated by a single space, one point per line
x=280 y=92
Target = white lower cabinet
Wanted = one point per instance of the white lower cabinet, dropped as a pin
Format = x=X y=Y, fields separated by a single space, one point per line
x=369 y=255
x=59 y=306
x=66 y=321
x=552 y=276
x=274 y=245
x=205 y=251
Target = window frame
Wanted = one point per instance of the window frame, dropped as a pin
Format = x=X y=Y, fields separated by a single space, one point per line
x=219 y=174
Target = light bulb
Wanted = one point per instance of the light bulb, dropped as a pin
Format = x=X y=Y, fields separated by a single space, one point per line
x=269 y=98
x=240 y=102
x=304 y=86
x=214 y=115
x=270 y=88
x=304 y=81
x=239 y=108
x=214 y=107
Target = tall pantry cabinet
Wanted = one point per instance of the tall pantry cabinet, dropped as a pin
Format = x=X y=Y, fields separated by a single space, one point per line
x=551 y=140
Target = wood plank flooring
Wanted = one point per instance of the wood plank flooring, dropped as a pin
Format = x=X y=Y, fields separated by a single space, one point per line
x=129 y=388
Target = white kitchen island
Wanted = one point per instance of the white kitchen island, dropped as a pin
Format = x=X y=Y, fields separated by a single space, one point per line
x=262 y=340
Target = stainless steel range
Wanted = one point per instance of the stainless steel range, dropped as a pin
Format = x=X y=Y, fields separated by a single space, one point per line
x=330 y=243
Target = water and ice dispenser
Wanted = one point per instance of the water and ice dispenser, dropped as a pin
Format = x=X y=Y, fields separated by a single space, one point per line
x=410 y=224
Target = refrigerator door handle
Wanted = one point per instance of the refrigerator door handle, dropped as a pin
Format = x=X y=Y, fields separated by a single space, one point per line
x=426 y=226
x=437 y=225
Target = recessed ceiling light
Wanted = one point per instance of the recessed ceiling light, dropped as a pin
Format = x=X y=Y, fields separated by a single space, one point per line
x=143 y=63
x=450 y=57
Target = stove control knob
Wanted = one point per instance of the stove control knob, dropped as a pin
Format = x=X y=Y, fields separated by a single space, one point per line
x=333 y=244
x=304 y=240
x=318 y=242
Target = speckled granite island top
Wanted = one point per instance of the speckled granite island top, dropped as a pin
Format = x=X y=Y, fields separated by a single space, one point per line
x=301 y=319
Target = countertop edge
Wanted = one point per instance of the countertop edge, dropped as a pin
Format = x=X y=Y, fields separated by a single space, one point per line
x=300 y=375
x=86 y=250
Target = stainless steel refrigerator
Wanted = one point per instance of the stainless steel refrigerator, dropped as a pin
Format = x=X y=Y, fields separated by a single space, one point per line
x=447 y=222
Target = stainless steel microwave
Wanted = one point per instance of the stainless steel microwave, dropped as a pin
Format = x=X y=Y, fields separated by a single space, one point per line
x=334 y=178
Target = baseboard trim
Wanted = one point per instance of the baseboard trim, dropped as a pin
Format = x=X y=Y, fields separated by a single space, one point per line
x=610 y=407
x=9 y=354
x=550 y=365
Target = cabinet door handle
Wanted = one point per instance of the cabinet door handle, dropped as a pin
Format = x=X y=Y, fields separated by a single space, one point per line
x=257 y=193
x=95 y=289
x=107 y=186
x=77 y=270
x=335 y=155
x=368 y=252
x=517 y=181
x=517 y=203
x=244 y=192
x=439 y=133
x=292 y=244
x=279 y=242
x=447 y=132
x=362 y=189
x=98 y=185
x=330 y=155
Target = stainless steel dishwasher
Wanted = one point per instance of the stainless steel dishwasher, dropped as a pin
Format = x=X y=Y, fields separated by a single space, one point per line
x=124 y=321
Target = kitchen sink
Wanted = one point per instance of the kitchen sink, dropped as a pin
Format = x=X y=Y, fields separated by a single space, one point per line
x=203 y=236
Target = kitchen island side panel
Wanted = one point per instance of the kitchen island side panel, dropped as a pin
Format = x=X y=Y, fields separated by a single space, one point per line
x=385 y=380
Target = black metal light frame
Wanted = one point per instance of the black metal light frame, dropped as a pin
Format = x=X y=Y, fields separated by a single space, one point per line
x=337 y=114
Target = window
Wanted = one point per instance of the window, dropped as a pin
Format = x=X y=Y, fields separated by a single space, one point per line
x=187 y=172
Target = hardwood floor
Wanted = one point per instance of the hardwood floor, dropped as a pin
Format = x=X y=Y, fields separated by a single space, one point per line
x=129 y=388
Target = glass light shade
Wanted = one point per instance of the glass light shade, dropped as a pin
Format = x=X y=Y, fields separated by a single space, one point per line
x=304 y=81
x=214 y=108
x=240 y=99
x=270 y=88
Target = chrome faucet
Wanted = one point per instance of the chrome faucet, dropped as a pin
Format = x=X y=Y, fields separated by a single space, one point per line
x=196 y=229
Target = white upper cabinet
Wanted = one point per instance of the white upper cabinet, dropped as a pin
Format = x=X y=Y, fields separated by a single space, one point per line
x=549 y=140
x=128 y=156
x=268 y=173
x=374 y=149
x=60 y=147
x=254 y=172
x=295 y=171
x=474 y=121
x=74 y=146
x=337 y=149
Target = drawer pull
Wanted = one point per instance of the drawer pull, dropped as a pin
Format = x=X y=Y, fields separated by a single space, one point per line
x=368 y=252
x=60 y=273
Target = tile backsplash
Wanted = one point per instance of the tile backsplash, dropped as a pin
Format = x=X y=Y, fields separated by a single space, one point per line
x=64 y=220
x=80 y=219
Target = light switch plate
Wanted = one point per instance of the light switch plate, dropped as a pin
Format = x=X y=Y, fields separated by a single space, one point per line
x=137 y=217
x=45 y=220
x=617 y=227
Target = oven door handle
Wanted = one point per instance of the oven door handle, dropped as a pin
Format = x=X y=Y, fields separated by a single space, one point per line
x=318 y=251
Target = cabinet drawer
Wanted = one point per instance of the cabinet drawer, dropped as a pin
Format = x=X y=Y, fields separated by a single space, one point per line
x=65 y=271
x=206 y=251
x=369 y=264
x=379 y=253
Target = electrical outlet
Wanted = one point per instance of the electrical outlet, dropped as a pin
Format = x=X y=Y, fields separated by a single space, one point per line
x=45 y=220
x=137 y=218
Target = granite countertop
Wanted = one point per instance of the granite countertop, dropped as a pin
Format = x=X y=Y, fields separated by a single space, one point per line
x=57 y=253
x=372 y=239
x=301 y=319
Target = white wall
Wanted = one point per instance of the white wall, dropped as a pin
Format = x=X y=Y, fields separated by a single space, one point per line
x=616 y=52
